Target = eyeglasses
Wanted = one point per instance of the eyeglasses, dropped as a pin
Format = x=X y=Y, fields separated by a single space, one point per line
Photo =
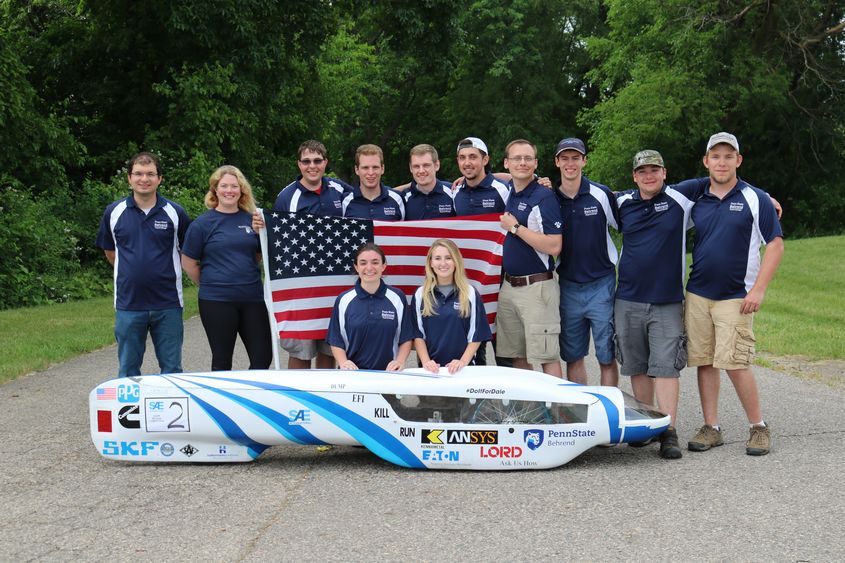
x=526 y=159
x=310 y=161
x=150 y=175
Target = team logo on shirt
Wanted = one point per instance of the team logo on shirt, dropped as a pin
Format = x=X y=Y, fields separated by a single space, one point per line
x=456 y=306
x=661 y=206
x=444 y=208
x=390 y=211
x=737 y=206
x=388 y=315
x=161 y=225
x=488 y=203
x=522 y=206
x=247 y=229
x=590 y=211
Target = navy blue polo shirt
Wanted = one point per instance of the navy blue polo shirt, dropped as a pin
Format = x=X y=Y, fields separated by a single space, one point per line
x=536 y=208
x=370 y=327
x=588 y=251
x=328 y=202
x=436 y=204
x=226 y=247
x=446 y=333
x=147 y=264
x=728 y=235
x=653 y=263
x=387 y=206
x=489 y=196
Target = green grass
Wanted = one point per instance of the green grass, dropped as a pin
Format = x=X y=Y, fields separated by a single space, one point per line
x=803 y=313
x=34 y=338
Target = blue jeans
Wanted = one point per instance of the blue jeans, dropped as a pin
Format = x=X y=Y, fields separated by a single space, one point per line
x=167 y=331
x=584 y=308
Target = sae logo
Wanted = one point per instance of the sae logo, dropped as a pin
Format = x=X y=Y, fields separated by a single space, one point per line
x=533 y=438
x=128 y=393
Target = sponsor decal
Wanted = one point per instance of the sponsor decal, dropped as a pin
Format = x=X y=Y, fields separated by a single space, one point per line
x=299 y=417
x=223 y=451
x=480 y=391
x=501 y=451
x=135 y=448
x=441 y=455
x=106 y=394
x=103 y=421
x=459 y=436
x=130 y=417
x=166 y=449
x=188 y=450
x=129 y=393
x=533 y=438
x=571 y=433
x=166 y=414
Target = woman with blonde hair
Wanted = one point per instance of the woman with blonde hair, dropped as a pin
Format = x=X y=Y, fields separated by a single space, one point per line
x=450 y=322
x=221 y=254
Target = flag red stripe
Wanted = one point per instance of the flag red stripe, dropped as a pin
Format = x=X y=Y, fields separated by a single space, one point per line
x=303 y=314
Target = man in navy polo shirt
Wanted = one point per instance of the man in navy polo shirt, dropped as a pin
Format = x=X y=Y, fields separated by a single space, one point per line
x=726 y=287
x=141 y=236
x=649 y=309
x=371 y=199
x=480 y=191
x=427 y=197
x=527 y=318
x=587 y=266
x=315 y=193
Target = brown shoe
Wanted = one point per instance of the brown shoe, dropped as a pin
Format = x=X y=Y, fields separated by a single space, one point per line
x=760 y=441
x=707 y=437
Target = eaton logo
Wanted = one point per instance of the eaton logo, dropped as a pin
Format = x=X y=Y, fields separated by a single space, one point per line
x=128 y=393
x=135 y=449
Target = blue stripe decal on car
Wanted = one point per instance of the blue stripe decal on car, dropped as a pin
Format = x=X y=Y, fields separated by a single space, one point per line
x=294 y=433
x=613 y=421
x=370 y=435
x=226 y=424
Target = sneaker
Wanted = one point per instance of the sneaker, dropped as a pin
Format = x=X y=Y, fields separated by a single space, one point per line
x=707 y=437
x=669 y=448
x=759 y=442
x=641 y=444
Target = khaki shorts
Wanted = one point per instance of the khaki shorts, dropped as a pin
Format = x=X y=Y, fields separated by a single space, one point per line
x=528 y=322
x=719 y=335
x=305 y=349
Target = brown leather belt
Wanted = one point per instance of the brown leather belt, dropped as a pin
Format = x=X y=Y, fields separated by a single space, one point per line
x=520 y=281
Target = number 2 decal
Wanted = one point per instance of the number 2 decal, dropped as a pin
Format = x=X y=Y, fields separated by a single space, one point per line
x=172 y=423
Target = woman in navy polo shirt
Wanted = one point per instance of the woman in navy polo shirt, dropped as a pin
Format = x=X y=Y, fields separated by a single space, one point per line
x=370 y=326
x=449 y=318
x=221 y=254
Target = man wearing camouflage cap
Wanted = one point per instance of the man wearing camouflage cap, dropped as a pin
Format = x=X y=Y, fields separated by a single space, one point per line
x=649 y=308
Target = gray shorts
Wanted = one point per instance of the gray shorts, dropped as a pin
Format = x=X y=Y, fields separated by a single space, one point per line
x=650 y=338
x=305 y=349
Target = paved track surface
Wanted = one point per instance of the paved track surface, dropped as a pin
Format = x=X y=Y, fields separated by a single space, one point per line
x=62 y=501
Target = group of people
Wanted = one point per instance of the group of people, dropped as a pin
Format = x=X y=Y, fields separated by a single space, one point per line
x=559 y=272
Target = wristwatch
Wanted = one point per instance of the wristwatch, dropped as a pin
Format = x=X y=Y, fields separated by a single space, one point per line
x=515 y=228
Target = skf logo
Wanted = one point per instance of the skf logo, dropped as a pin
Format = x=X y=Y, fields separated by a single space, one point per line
x=111 y=447
x=533 y=438
x=460 y=436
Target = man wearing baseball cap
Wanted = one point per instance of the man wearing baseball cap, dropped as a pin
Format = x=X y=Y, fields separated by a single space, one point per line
x=649 y=308
x=587 y=265
x=726 y=287
x=480 y=192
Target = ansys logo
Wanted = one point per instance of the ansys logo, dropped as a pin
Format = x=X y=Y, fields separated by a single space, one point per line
x=533 y=438
x=460 y=437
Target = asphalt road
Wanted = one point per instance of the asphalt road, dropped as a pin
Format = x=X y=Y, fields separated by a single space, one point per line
x=62 y=501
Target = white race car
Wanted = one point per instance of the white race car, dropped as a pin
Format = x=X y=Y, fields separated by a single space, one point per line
x=482 y=418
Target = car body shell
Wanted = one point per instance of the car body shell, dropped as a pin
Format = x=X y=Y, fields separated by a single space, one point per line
x=483 y=418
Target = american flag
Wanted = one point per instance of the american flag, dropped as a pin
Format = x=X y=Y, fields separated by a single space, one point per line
x=106 y=394
x=308 y=261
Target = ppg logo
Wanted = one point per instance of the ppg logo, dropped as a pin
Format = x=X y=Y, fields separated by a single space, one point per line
x=128 y=393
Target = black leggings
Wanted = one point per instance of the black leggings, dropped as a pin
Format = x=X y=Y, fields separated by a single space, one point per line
x=224 y=320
